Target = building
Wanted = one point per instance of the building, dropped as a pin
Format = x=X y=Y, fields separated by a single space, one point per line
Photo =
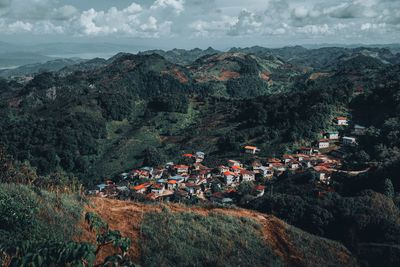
x=323 y=143
x=247 y=175
x=332 y=135
x=258 y=190
x=232 y=163
x=192 y=188
x=237 y=168
x=230 y=177
x=287 y=158
x=171 y=184
x=141 y=188
x=324 y=175
x=267 y=172
x=181 y=169
x=220 y=197
x=279 y=167
x=157 y=189
x=341 y=121
x=306 y=150
x=251 y=149
x=199 y=156
x=359 y=130
x=223 y=169
x=352 y=141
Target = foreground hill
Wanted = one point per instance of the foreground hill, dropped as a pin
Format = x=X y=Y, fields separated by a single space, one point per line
x=157 y=230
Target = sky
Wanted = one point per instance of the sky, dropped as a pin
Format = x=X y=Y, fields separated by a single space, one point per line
x=201 y=23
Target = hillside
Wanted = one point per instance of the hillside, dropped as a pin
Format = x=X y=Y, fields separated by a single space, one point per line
x=292 y=246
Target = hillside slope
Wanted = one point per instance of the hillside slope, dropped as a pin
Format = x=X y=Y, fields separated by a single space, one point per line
x=280 y=237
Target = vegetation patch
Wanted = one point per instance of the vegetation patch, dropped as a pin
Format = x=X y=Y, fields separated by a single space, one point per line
x=189 y=239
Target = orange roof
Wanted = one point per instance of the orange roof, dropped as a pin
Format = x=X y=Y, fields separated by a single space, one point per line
x=188 y=155
x=223 y=167
x=181 y=167
x=229 y=173
x=258 y=187
x=230 y=191
x=288 y=157
x=172 y=182
x=341 y=118
x=323 y=140
x=273 y=160
x=108 y=182
x=250 y=147
x=236 y=167
x=277 y=164
x=139 y=187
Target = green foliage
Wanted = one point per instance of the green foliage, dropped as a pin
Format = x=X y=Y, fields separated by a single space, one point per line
x=388 y=189
x=189 y=239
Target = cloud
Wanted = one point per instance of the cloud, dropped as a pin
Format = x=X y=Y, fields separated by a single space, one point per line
x=246 y=23
x=176 y=5
x=64 y=12
x=20 y=26
x=4 y=3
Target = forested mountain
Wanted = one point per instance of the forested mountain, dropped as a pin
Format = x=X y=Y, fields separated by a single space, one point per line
x=91 y=121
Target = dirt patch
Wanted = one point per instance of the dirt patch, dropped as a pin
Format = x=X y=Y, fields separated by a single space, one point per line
x=317 y=75
x=265 y=75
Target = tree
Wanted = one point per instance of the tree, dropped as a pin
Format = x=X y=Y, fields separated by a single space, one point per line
x=388 y=188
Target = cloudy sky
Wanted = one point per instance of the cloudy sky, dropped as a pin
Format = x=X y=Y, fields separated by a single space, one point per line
x=201 y=23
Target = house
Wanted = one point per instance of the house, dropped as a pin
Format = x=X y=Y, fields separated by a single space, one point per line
x=181 y=169
x=169 y=165
x=190 y=158
x=341 y=121
x=237 y=169
x=171 y=184
x=141 y=188
x=267 y=172
x=199 y=156
x=332 y=135
x=294 y=164
x=124 y=175
x=287 y=158
x=179 y=179
x=220 y=197
x=323 y=143
x=192 y=188
x=279 y=167
x=101 y=187
x=352 y=141
x=204 y=174
x=324 y=174
x=306 y=150
x=247 y=175
x=144 y=174
x=157 y=189
x=157 y=174
x=251 y=149
x=258 y=190
x=147 y=169
x=307 y=162
x=256 y=166
x=230 y=177
x=232 y=163
x=223 y=169
x=359 y=130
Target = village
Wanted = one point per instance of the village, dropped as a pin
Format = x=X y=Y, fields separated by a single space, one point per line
x=190 y=178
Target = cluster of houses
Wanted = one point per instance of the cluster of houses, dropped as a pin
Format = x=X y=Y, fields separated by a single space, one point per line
x=183 y=181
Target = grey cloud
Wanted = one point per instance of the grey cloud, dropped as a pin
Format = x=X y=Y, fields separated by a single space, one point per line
x=4 y=3
x=64 y=12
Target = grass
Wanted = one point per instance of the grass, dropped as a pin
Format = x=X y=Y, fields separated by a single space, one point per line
x=30 y=213
x=190 y=239
x=318 y=251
